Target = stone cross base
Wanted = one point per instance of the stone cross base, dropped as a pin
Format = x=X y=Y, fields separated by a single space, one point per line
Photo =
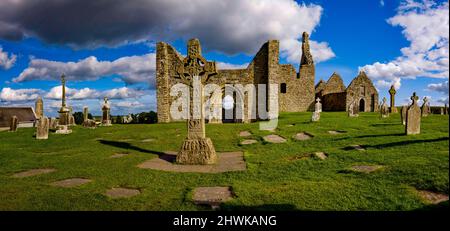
x=89 y=124
x=197 y=151
x=106 y=123
x=63 y=129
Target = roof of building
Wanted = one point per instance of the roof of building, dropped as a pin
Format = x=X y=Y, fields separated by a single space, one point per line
x=24 y=114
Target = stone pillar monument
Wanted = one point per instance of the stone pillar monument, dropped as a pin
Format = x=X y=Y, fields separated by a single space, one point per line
x=392 y=92
x=63 y=122
x=39 y=107
x=106 y=120
x=13 y=124
x=195 y=71
x=403 y=114
x=413 y=117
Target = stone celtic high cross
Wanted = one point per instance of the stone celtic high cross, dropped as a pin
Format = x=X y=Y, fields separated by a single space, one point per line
x=195 y=71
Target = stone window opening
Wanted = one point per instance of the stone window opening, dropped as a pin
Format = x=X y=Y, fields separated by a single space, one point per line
x=283 y=88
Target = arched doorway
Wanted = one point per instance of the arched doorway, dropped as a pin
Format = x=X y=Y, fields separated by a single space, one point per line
x=362 y=105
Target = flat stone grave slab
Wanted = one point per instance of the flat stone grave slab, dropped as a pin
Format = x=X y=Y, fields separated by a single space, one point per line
x=118 y=155
x=126 y=140
x=302 y=136
x=366 y=168
x=432 y=197
x=245 y=142
x=212 y=196
x=321 y=155
x=33 y=172
x=122 y=192
x=147 y=140
x=274 y=139
x=72 y=182
x=244 y=133
x=227 y=162
x=290 y=125
x=336 y=132
x=358 y=147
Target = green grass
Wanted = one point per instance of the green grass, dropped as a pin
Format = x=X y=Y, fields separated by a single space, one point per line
x=273 y=180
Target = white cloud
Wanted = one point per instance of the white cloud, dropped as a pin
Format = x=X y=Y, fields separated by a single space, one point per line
x=426 y=26
x=381 y=2
x=223 y=65
x=131 y=69
x=228 y=26
x=87 y=93
x=439 y=87
x=12 y=95
x=6 y=60
x=129 y=104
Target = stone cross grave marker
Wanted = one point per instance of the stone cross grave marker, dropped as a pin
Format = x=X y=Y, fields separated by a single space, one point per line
x=63 y=121
x=425 y=107
x=106 y=120
x=392 y=92
x=195 y=71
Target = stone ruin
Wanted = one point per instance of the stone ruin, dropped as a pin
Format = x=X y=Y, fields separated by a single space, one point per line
x=317 y=110
x=63 y=122
x=39 y=107
x=384 y=110
x=13 y=124
x=106 y=116
x=296 y=89
x=413 y=117
x=196 y=70
x=88 y=123
x=392 y=108
x=352 y=110
x=425 y=109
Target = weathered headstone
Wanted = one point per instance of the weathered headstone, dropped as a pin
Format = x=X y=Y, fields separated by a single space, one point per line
x=195 y=72
x=403 y=114
x=63 y=122
x=392 y=92
x=317 y=110
x=42 y=128
x=384 y=109
x=352 y=111
x=39 y=107
x=106 y=119
x=413 y=117
x=53 y=123
x=87 y=123
x=13 y=124
x=425 y=107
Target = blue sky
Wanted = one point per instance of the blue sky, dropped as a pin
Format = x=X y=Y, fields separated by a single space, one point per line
x=398 y=42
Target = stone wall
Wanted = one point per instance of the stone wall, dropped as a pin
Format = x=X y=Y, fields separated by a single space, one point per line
x=362 y=91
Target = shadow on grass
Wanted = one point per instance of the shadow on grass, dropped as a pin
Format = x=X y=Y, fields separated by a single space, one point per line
x=437 y=207
x=371 y=136
x=393 y=144
x=126 y=145
x=265 y=207
x=385 y=124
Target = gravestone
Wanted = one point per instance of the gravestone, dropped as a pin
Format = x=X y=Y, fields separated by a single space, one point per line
x=403 y=114
x=317 y=110
x=442 y=111
x=392 y=92
x=13 y=124
x=195 y=71
x=39 y=107
x=352 y=111
x=413 y=117
x=63 y=122
x=445 y=109
x=384 y=109
x=53 y=123
x=106 y=119
x=71 y=117
x=42 y=128
x=425 y=107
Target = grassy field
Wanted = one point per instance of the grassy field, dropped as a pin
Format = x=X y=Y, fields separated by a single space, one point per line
x=274 y=180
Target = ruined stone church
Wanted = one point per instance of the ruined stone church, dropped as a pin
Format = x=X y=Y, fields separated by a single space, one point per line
x=296 y=89
x=336 y=97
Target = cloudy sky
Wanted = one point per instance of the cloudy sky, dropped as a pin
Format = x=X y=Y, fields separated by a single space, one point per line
x=107 y=47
